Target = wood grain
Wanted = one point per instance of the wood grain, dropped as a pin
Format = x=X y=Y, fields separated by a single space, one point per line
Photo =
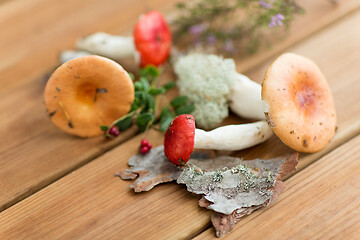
x=322 y=202
x=90 y=203
x=40 y=29
x=34 y=153
x=318 y=15
x=98 y=205
x=30 y=48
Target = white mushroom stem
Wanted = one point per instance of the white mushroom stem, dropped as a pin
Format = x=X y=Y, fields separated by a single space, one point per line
x=245 y=98
x=233 y=137
x=103 y=44
x=114 y=47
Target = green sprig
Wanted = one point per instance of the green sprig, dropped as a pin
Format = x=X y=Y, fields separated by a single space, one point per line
x=143 y=109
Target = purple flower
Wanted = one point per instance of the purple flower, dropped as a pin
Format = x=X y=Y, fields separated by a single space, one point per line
x=276 y=20
x=229 y=46
x=197 y=29
x=265 y=4
x=211 y=39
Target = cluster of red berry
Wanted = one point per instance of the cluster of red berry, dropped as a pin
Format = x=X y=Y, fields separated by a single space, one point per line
x=114 y=131
x=145 y=146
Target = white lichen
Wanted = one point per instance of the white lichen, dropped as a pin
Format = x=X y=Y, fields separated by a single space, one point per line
x=206 y=80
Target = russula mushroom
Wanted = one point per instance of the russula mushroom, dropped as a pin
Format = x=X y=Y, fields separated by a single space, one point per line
x=298 y=103
x=87 y=92
x=182 y=137
x=294 y=98
x=151 y=41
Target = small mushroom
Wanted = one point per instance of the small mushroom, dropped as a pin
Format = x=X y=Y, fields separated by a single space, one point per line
x=298 y=103
x=182 y=137
x=151 y=39
x=87 y=92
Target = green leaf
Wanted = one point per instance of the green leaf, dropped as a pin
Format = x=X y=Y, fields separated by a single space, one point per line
x=125 y=123
x=104 y=128
x=150 y=102
x=138 y=86
x=156 y=91
x=143 y=120
x=150 y=71
x=169 y=85
x=141 y=98
x=178 y=101
x=145 y=83
x=186 y=109
x=166 y=117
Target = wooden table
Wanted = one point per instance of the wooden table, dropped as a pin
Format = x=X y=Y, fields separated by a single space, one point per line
x=55 y=186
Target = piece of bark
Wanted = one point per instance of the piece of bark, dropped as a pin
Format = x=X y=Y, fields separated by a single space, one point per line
x=150 y=169
x=231 y=183
x=224 y=223
x=153 y=168
x=231 y=187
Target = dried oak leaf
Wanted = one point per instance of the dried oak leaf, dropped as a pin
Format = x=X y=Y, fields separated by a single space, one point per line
x=239 y=188
x=150 y=169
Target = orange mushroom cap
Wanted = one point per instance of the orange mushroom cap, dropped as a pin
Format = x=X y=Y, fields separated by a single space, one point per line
x=87 y=92
x=298 y=104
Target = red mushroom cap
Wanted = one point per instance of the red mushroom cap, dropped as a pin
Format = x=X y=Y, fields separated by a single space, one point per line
x=152 y=38
x=180 y=139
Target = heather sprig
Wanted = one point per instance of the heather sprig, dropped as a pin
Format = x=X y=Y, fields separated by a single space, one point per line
x=232 y=26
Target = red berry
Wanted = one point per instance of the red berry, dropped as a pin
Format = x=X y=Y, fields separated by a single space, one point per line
x=144 y=150
x=144 y=142
x=149 y=146
x=114 y=131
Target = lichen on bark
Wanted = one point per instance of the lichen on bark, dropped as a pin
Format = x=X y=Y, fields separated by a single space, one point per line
x=230 y=183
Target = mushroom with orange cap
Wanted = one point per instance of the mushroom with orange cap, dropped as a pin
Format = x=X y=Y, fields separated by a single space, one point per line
x=87 y=92
x=298 y=104
x=150 y=44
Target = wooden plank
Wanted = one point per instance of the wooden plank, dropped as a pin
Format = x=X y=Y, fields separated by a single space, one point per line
x=318 y=14
x=90 y=203
x=322 y=202
x=35 y=153
x=30 y=48
x=40 y=29
x=103 y=205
